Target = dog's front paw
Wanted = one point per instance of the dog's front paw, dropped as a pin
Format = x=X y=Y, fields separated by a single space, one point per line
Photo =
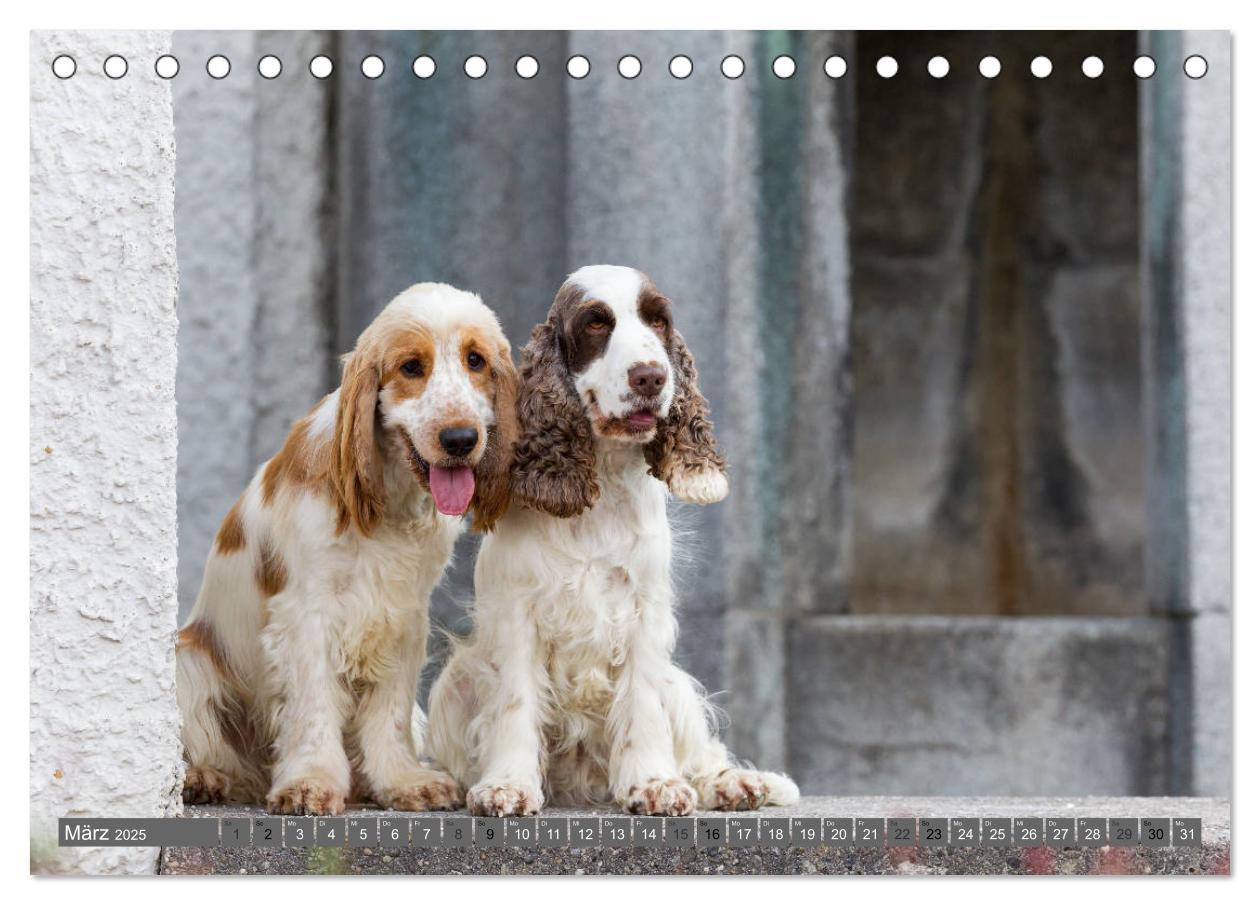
x=206 y=785
x=700 y=487
x=734 y=790
x=425 y=790
x=664 y=797
x=309 y=795
x=505 y=799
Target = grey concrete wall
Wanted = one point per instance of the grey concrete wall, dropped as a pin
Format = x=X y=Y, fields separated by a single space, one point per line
x=997 y=367
x=1187 y=321
x=104 y=728
x=789 y=380
x=253 y=211
x=922 y=705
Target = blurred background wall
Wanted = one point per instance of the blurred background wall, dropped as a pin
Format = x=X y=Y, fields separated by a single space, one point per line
x=945 y=326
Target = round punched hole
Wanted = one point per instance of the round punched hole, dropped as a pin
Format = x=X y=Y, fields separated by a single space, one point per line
x=270 y=67
x=990 y=67
x=784 y=66
x=733 y=66
x=115 y=66
x=578 y=67
x=64 y=66
x=321 y=66
x=527 y=67
x=1144 y=67
x=423 y=66
x=886 y=67
x=1041 y=67
x=166 y=66
x=1092 y=67
x=938 y=67
x=372 y=66
x=629 y=66
x=835 y=66
x=680 y=66
x=475 y=67
x=218 y=66
x=1195 y=66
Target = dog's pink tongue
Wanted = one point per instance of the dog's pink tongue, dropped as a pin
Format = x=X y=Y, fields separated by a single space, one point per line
x=452 y=488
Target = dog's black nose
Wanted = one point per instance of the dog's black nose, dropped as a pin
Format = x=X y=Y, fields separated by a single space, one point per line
x=647 y=380
x=458 y=441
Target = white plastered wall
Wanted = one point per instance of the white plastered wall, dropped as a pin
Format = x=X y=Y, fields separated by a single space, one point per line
x=104 y=728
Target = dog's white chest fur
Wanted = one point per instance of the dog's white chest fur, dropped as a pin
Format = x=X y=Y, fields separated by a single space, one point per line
x=608 y=562
x=382 y=592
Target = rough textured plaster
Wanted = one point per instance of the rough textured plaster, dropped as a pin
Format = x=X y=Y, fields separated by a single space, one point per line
x=104 y=725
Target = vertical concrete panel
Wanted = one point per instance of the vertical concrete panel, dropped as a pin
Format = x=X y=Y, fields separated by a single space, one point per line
x=1187 y=350
x=816 y=515
x=294 y=257
x=788 y=348
x=1082 y=432
x=646 y=164
x=1206 y=205
x=1207 y=169
x=104 y=726
x=450 y=178
x=996 y=358
x=254 y=210
x=918 y=172
x=218 y=304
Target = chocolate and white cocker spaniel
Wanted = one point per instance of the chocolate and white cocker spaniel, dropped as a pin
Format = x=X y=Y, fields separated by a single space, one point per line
x=297 y=671
x=567 y=691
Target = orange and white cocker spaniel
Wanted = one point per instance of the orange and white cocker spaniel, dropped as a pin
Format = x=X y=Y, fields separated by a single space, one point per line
x=298 y=668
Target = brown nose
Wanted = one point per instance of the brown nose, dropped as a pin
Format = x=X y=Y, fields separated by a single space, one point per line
x=647 y=380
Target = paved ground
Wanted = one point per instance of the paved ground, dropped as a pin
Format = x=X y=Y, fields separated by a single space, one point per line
x=1213 y=857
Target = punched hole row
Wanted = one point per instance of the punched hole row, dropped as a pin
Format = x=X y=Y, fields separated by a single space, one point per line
x=372 y=66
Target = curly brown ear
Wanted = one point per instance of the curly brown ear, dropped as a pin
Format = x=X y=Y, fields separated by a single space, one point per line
x=494 y=472
x=355 y=463
x=554 y=466
x=684 y=453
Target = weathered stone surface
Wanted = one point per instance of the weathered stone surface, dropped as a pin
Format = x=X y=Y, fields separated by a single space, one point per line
x=215 y=199
x=915 y=162
x=1086 y=144
x=997 y=366
x=450 y=178
x=1206 y=199
x=1213 y=857
x=1036 y=706
x=1187 y=349
x=295 y=361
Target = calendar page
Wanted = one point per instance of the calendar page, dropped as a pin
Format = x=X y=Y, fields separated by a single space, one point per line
x=580 y=452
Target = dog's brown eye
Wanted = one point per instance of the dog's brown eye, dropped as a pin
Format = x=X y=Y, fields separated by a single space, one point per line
x=597 y=326
x=660 y=323
x=413 y=367
x=475 y=361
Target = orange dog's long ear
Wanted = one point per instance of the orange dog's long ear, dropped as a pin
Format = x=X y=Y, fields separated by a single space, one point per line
x=355 y=463
x=494 y=471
